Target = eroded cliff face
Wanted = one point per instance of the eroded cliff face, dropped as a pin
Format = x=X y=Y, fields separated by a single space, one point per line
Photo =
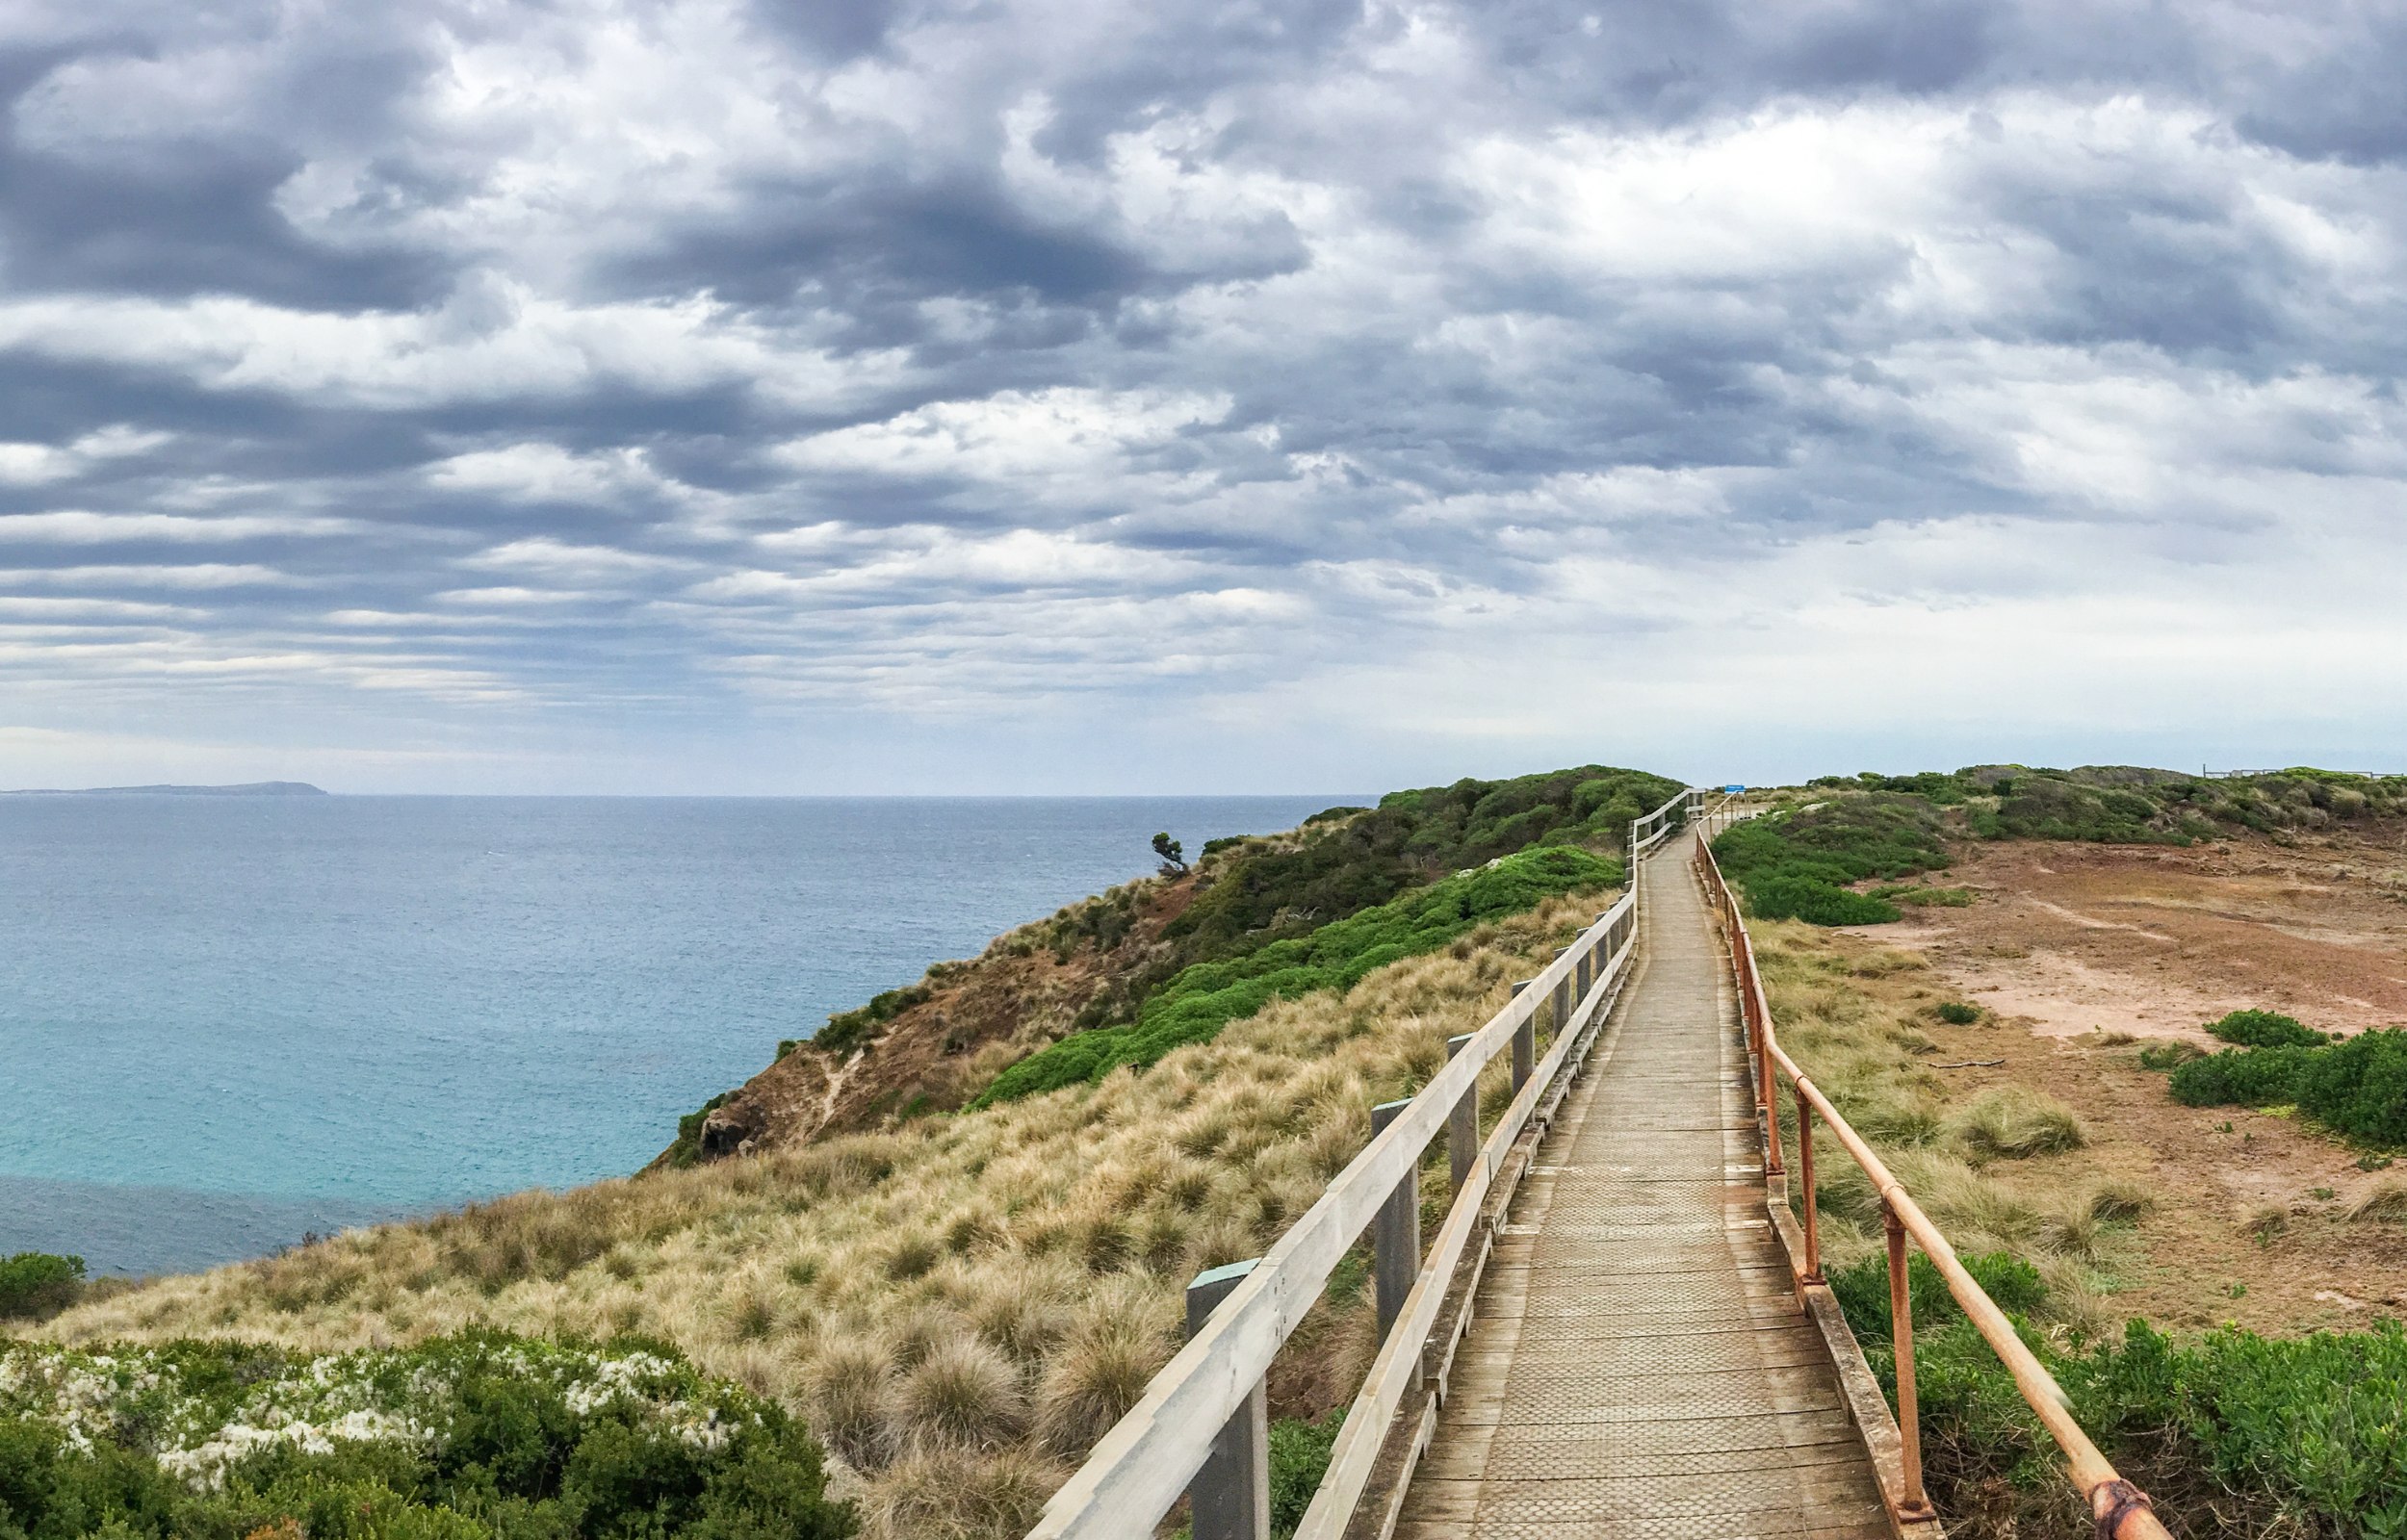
x=1029 y=987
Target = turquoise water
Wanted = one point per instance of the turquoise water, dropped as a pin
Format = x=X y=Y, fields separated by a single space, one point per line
x=224 y=1023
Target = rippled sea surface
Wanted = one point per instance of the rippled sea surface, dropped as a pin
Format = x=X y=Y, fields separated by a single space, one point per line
x=225 y=1021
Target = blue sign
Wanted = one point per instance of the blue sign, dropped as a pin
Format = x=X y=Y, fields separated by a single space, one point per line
x=1734 y=790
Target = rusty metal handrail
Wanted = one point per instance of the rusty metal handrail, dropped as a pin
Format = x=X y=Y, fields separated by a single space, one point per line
x=2119 y=1510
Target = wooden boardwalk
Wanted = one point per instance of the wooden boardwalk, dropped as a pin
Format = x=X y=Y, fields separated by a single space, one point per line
x=1639 y=1364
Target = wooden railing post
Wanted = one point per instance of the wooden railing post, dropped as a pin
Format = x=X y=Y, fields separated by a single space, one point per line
x=1524 y=1042
x=1805 y=1176
x=1396 y=1234
x=1913 y=1504
x=1586 y=972
x=1231 y=1493
x=1461 y=1126
x=1563 y=998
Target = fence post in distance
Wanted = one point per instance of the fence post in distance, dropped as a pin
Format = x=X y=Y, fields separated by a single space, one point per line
x=1396 y=1233
x=1524 y=1042
x=1462 y=1124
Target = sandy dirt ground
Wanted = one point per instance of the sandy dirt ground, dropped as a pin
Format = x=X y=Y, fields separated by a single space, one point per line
x=2074 y=949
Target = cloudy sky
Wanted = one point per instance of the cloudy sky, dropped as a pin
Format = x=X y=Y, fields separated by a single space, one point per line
x=1083 y=396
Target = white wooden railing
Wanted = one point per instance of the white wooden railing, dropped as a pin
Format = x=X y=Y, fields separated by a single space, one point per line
x=1201 y=1424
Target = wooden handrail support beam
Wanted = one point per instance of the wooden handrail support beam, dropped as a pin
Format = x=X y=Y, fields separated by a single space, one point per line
x=2122 y=1511
x=1136 y=1473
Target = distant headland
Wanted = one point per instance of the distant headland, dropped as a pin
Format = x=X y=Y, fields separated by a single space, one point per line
x=250 y=788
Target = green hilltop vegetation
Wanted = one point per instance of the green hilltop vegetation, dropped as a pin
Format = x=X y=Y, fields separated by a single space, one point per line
x=1282 y=895
x=1207 y=996
x=1810 y=858
x=2133 y=805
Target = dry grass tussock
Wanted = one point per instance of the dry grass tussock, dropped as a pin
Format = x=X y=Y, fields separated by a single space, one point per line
x=960 y=1307
x=1987 y=1165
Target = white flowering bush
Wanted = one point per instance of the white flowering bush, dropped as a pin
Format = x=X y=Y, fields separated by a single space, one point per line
x=467 y=1437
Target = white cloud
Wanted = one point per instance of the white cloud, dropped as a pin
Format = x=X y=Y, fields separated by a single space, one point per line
x=1052 y=441
x=75 y=526
x=497 y=341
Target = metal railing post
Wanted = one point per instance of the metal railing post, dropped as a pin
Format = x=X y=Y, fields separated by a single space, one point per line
x=1913 y=1504
x=1805 y=1176
x=1230 y=1493
x=1769 y=1097
x=1462 y=1125
x=1396 y=1233
x=1524 y=1042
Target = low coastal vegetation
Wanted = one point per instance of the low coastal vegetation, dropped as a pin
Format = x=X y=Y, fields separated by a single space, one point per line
x=2232 y=1433
x=2133 y=805
x=464 y=1437
x=1254 y=893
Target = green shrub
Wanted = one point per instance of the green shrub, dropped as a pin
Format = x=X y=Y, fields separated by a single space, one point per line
x=686 y=1147
x=2358 y=1087
x=2241 y=1077
x=1799 y=865
x=464 y=1438
x=36 y=1285
x=1201 y=999
x=1815 y=902
x=1863 y=1290
x=1299 y=1457
x=2266 y=1029
x=1956 y=1012
x=2300 y=1435
x=847 y=1030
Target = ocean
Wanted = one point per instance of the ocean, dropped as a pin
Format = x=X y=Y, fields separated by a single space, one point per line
x=225 y=1023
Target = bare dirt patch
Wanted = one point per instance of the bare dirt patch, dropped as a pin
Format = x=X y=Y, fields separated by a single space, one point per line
x=2076 y=950
x=2153 y=941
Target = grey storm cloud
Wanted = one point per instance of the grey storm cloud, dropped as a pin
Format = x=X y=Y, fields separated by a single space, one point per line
x=388 y=388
